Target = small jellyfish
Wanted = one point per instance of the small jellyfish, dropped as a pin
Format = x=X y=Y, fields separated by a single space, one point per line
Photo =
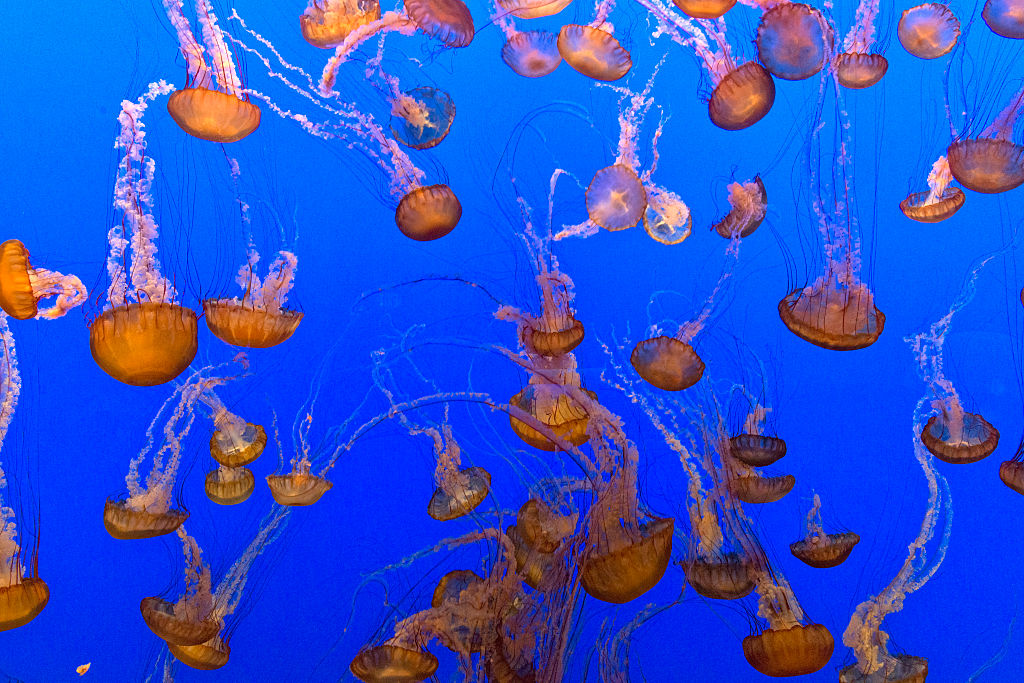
x=794 y=41
x=229 y=485
x=459 y=491
x=857 y=67
x=234 y=442
x=758 y=490
x=447 y=20
x=704 y=9
x=532 y=9
x=300 y=487
x=991 y=164
x=620 y=565
x=748 y=204
x=22 y=286
x=940 y=201
x=593 y=52
x=959 y=438
x=725 y=577
x=667 y=363
x=894 y=669
x=207 y=656
x=756 y=450
x=818 y=549
x=742 y=97
x=191 y=620
x=928 y=31
x=616 y=199
x=531 y=53
x=428 y=213
x=548 y=399
x=1005 y=17
x=1011 y=472
x=422 y=117
x=794 y=651
x=388 y=663
x=667 y=218
x=326 y=23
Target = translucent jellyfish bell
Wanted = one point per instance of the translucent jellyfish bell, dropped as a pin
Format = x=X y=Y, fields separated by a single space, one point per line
x=428 y=213
x=160 y=617
x=742 y=97
x=756 y=450
x=22 y=286
x=928 y=31
x=667 y=363
x=918 y=207
x=794 y=651
x=793 y=41
x=833 y=316
x=229 y=485
x=532 y=565
x=144 y=344
x=749 y=207
x=238 y=324
x=532 y=53
x=857 y=71
x=422 y=117
x=729 y=577
x=297 y=488
x=467 y=490
x=532 y=9
x=1005 y=17
x=447 y=20
x=959 y=440
x=22 y=602
x=616 y=198
x=125 y=523
x=543 y=528
x=625 y=568
x=207 y=656
x=326 y=23
x=667 y=218
x=237 y=443
x=705 y=9
x=391 y=664
x=987 y=165
x=552 y=406
x=824 y=551
x=594 y=53
x=758 y=490
x=213 y=115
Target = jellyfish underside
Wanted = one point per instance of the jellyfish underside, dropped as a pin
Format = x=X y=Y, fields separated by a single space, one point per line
x=207 y=656
x=728 y=577
x=758 y=490
x=667 y=363
x=238 y=324
x=1005 y=18
x=667 y=219
x=125 y=523
x=144 y=344
x=449 y=21
x=22 y=602
x=616 y=198
x=297 y=489
x=554 y=342
x=793 y=41
x=742 y=97
x=794 y=651
x=553 y=407
x=749 y=207
x=631 y=564
x=428 y=213
x=469 y=489
x=857 y=70
x=593 y=52
x=832 y=316
x=232 y=447
x=328 y=26
x=391 y=664
x=704 y=9
x=976 y=441
x=532 y=9
x=213 y=115
x=895 y=669
x=230 y=485
x=16 y=297
x=422 y=117
x=823 y=551
x=987 y=165
x=161 y=620
x=532 y=53
x=917 y=207
x=757 y=450
x=928 y=31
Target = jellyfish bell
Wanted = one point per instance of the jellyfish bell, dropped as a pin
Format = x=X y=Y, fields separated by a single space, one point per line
x=532 y=565
x=756 y=450
x=987 y=165
x=667 y=218
x=1005 y=18
x=543 y=528
x=449 y=21
x=235 y=322
x=704 y=9
x=236 y=444
x=758 y=490
x=125 y=523
x=794 y=41
x=532 y=53
x=461 y=496
x=297 y=488
x=794 y=651
x=556 y=342
x=623 y=566
x=616 y=198
x=144 y=344
x=22 y=601
x=22 y=286
x=392 y=663
x=748 y=207
x=832 y=315
x=725 y=577
x=857 y=71
x=532 y=9
x=918 y=207
x=549 y=400
x=213 y=115
x=207 y=656
x=326 y=23
x=667 y=363
x=823 y=551
x=428 y=213
x=594 y=53
x=742 y=98
x=928 y=31
x=1011 y=472
x=959 y=438
x=229 y=485
x=160 y=617
x=422 y=117
x=894 y=669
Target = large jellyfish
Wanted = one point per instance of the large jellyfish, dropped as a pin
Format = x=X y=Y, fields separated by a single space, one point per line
x=940 y=201
x=857 y=67
x=794 y=40
x=592 y=49
x=326 y=23
x=22 y=286
x=218 y=112
x=142 y=335
x=928 y=31
x=1005 y=17
x=991 y=162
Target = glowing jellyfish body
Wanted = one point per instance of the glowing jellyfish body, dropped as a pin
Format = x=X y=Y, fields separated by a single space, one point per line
x=22 y=286
x=823 y=551
x=742 y=97
x=594 y=53
x=832 y=316
x=667 y=218
x=987 y=165
x=616 y=198
x=749 y=206
x=428 y=213
x=466 y=491
x=178 y=630
x=207 y=656
x=667 y=363
x=627 y=569
x=125 y=523
x=857 y=71
x=391 y=664
x=326 y=23
x=144 y=344
x=449 y=21
x=554 y=342
x=1005 y=17
x=233 y=447
x=972 y=440
x=532 y=53
x=793 y=41
x=928 y=31
x=422 y=117
x=758 y=490
x=532 y=9
x=554 y=408
x=238 y=324
x=919 y=207
x=229 y=485
x=297 y=488
x=895 y=669
x=726 y=578
x=704 y=9
x=756 y=450
x=213 y=115
x=22 y=601
x=794 y=651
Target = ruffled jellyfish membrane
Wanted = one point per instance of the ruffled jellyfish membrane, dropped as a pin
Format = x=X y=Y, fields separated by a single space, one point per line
x=229 y=485
x=459 y=491
x=667 y=218
x=794 y=41
x=742 y=97
x=548 y=398
x=201 y=109
x=1005 y=18
x=704 y=9
x=22 y=286
x=447 y=20
x=531 y=53
x=712 y=569
x=207 y=656
x=940 y=201
x=422 y=117
x=258 y=319
x=616 y=198
x=857 y=67
x=300 y=487
x=428 y=213
x=234 y=442
x=189 y=621
x=386 y=663
x=748 y=204
x=832 y=315
x=326 y=23
x=593 y=52
x=142 y=336
x=928 y=31
x=531 y=9
x=794 y=651
x=959 y=438
x=818 y=549
x=667 y=363
x=556 y=331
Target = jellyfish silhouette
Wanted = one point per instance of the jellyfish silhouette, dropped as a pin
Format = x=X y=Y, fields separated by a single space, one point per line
x=794 y=40
x=592 y=50
x=819 y=549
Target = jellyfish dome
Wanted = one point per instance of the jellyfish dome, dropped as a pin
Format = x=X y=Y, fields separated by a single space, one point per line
x=297 y=489
x=22 y=601
x=556 y=342
x=793 y=41
x=543 y=528
x=532 y=565
x=742 y=98
x=126 y=523
x=895 y=669
x=428 y=213
x=616 y=198
x=833 y=316
x=594 y=53
x=207 y=656
x=22 y=286
x=326 y=23
x=758 y=490
x=238 y=324
x=422 y=117
x=176 y=629
x=447 y=20
x=794 y=651
x=959 y=438
x=232 y=446
x=987 y=165
x=823 y=551
x=392 y=663
x=229 y=485
x=749 y=206
x=1005 y=18
x=704 y=9
x=857 y=71
x=729 y=577
x=928 y=31
x=626 y=569
x=144 y=344
x=213 y=115
x=1011 y=472
x=532 y=9
x=756 y=450
x=667 y=363
x=532 y=53
x=553 y=407
x=461 y=496
x=667 y=218
x=919 y=207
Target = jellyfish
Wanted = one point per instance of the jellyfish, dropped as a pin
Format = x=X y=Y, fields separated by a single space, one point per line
x=218 y=113
x=326 y=23
x=188 y=621
x=422 y=117
x=531 y=9
x=1004 y=17
x=818 y=549
x=794 y=40
x=23 y=595
x=22 y=286
x=234 y=442
x=393 y=663
x=551 y=398
x=704 y=9
x=928 y=31
x=532 y=54
x=940 y=201
x=592 y=49
x=991 y=162
x=748 y=204
x=857 y=67
x=142 y=335
x=750 y=450
x=229 y=485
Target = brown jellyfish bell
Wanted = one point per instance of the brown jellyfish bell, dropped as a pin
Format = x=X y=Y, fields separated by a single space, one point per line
x=532 y=54
x=390 y=663
x=856 y=66
x=298 y=488
x=556 y=331
x=756 y=450
x=593 y=52
x=959 y=438
x=22 y=286
x=532 y=9
x=616 y=199
x=450 y=21
x=742 y=97
x=833 y=314
x=794 y=41
x=748 y=204
x=1011 y=472
x=724 y=577
x=940 y=201
x=213 y=115
x=895 y=669
x=755 y=489
x=459 y=491
x=704 y=9
x=667 y=363
x=928 y=31
x=229 y=485
x=549 y=398
x=818 y=549
x=326 y=23
x=991 y=162
x=234 y=442
x=428 y=212
x=1005 y=18
x=794 y=651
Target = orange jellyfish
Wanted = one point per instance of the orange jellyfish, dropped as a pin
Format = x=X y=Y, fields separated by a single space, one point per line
x=705 y=9
x=748 y=204
x=940 y=201
x=794 y=41
x=22 y=286
x=928 y=31
x=1011 y=472
x=326 y=23
x=714 y=566
x=552 y=398
x=218 y=113
x=531 y=9
x=991 y=162
x=1005 y=17
x=142 y=336
x=592 y=49
x=818 y=549
x=234 y=442
x=532 y=54
x=229 y=485
x=447 y=20
x=393 y=663
x=857 y=67
x=189 y=621
x=422 y=117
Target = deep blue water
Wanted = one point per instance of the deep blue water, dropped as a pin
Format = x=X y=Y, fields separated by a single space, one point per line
x=847 y=417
